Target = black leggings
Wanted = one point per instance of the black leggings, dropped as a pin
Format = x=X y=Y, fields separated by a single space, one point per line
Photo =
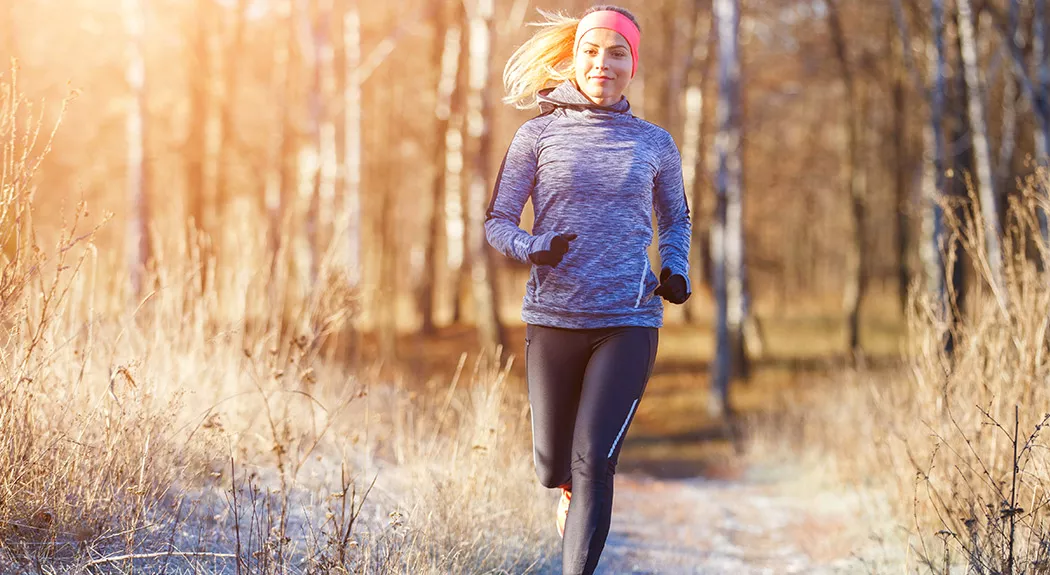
x=584 y=389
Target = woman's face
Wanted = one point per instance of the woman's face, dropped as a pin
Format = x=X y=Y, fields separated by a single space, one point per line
x=603 y=66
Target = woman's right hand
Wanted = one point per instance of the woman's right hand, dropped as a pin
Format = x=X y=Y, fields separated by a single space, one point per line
x=552 y=257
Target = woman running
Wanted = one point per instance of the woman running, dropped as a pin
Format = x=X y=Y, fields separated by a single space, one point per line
x=595 y=173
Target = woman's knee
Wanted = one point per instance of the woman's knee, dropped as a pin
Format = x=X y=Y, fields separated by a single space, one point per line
x=593 y=467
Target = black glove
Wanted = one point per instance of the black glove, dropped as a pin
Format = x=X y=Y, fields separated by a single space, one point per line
x=552 y=257
x=672 y=287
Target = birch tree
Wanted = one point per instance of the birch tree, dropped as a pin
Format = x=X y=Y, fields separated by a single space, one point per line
x=932 y=243
x=901 y=163
x=694 y=152
x=138 y=241
x=455 y=198
x=280 y=182
x=960 y=162
x=981 y=148
x=391 y=93
x=321 y=150
x=856 y=182
x=198 y=73
x=1008 y=138
x=677 y=42
x=933 y=137
x=1041 y=78
x=727 y=240
x=933 y=182
x=479 y=118
x=1040 y=99
x=350 y=151
x=446 y=54
x=1034 y=82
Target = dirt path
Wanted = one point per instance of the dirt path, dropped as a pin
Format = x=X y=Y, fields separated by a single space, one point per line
x=686 y=503
x=755 y=525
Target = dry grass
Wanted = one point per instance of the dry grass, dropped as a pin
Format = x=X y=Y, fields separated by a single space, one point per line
x=956 y=441
x=199 y=429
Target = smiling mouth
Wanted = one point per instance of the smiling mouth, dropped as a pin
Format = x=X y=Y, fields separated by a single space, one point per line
x=600 y=78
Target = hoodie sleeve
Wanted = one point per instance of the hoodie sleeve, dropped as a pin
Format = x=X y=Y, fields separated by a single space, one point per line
x=514 y=184
x=672 y=212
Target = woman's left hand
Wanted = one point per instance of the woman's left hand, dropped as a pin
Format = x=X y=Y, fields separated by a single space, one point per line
x=672 y=287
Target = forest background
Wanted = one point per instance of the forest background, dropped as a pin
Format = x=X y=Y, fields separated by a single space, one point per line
x=218 y=209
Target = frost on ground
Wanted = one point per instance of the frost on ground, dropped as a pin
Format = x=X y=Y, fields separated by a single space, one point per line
x=764 y=523
x=767 y=521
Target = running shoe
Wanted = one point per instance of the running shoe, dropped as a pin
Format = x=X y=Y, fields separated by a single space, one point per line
x=563 y=507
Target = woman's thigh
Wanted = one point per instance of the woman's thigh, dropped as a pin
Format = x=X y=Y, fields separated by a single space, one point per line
x=555 y=362
x=616 y=376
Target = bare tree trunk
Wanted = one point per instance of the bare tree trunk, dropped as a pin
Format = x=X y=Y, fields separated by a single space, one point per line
x=857 y=285
x=280 y=190
x=1041 y=99
x=446 y=51
x=727 y=239
x=137 y=129
x=457 y=256
x=351 y=162
x=320 y=150
x=900 y=185
x=857 y=281
x=391 y=96
x=981 y=148
x=199 y=72
x=231 y=74
x=1008 y=139
x=694 y=160
x=928 y=231
x=486 y=300
x=387 y=304
x=1004 y=172
x=931 y=245
x=679 y=42
x=957 y=189
x=281 y=84
x=652 y=84
x=346 y=98
x=1034 y=85
x=219 y=246
x=933 y=137
x=1039 y=103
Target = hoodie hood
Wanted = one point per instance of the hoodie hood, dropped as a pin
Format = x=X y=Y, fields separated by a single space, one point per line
x=567 y=95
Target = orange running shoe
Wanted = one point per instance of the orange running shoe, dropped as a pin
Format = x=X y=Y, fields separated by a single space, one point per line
x=563 y=507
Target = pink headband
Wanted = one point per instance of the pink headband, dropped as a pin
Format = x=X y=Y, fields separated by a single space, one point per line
x=613 y=21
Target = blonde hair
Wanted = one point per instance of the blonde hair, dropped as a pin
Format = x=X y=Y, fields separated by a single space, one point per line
x=546 y=59
x=543 y=60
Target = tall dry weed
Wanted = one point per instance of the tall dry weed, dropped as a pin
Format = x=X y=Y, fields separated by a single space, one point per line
x=957 y=439
x=200 y=427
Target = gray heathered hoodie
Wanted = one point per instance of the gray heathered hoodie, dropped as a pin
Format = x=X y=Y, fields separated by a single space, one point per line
x=597 y=172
